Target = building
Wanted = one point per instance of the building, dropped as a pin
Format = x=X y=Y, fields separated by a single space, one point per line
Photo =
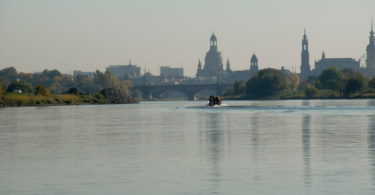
x=305 y=57
x=80 y=73
x=370 y=51
x=171 y=73
x=213 y=63
x=125 y=72
x=254 y=68
x=339 y=63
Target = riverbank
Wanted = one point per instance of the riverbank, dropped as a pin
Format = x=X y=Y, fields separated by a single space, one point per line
x=18 y=100
x=324 y=94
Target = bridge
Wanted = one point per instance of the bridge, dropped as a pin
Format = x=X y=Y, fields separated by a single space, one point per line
x=148 y=92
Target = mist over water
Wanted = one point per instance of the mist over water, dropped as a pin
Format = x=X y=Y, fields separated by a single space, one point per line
x=244 y=147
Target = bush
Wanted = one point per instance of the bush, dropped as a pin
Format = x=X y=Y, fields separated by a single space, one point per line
x=20 y=87
x=311 y=91
x=41 y=90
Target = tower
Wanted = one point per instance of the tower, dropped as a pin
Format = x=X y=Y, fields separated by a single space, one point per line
x=254 y=64
x=199 y=70
x=228 y=70
x=370 y=62
x=213 y=63
x=305 y=64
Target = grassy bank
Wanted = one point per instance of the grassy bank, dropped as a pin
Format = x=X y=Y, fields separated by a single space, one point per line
x=322 y=94
x=10 y=100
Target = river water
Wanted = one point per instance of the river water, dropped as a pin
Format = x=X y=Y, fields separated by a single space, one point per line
x=161 y=148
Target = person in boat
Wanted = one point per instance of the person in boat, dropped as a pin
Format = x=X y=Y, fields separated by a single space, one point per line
x=217 y=100
x=211 y=100
x=214 y=100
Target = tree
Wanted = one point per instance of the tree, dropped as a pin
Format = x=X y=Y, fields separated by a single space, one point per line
x=267 y=82
x=107 y=80
x=293 y=81
x=51 y=73
x=9 y=73
x=41 y=90
x=354 y=84
x=2 y=87
x=372 y=83
x=20 y=87
x=331 y=78
x=239 y=87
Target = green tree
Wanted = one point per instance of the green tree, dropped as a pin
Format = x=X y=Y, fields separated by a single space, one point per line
x=239 y=87
x=41 y=90
x=331 y=78
x=267 y=82
x=354 y=84
x=372 y=83
x=9 y=73
x=20 y=86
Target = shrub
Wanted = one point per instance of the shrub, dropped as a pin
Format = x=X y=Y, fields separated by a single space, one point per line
x=41 y=90
x=20 y=87
x=311 y=91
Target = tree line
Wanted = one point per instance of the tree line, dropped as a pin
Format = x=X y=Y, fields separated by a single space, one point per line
x=53 y=81
x=331 y=83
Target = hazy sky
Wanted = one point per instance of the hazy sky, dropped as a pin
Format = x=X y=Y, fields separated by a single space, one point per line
x=92 y=34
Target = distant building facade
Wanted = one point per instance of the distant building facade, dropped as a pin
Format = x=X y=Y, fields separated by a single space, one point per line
x=169 y=72
x=324 y=62
x=125 y=72
x=213 y=63
x=80 y=73
x=339 y=63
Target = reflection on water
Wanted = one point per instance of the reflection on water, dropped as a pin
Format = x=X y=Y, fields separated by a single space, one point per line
x=306 y=149
x=256 y=147
x=371 y=145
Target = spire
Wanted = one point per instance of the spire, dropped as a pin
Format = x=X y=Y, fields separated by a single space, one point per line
x=228 y=70
x=323 y=55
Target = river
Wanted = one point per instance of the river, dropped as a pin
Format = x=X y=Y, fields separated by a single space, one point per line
x=183 y=147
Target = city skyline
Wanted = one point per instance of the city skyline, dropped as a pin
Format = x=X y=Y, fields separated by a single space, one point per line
x=90 y=35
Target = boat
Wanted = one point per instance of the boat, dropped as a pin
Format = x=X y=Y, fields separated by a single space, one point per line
x=214 y=101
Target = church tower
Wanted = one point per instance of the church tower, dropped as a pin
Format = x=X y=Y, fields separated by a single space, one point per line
x=305 y=64
x=199 y=70
x=254 y=64
x=370 y=62
x=228 y=69
x=213 y=65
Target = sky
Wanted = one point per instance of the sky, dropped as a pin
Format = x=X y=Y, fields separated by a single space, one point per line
x=90 y=35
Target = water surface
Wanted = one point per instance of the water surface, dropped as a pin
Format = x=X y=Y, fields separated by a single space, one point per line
x=244 y=147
